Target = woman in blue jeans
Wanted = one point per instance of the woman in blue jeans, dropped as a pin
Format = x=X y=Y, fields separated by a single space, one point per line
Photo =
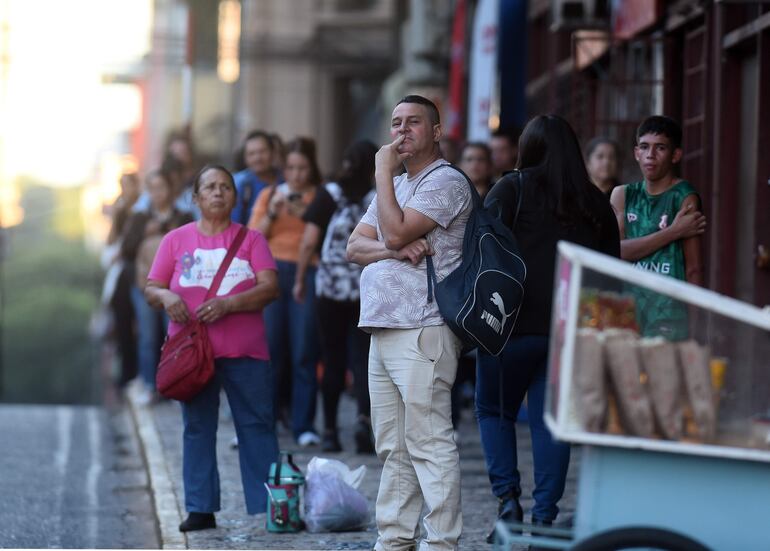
x=181 y=274
x=558 y=201
x=292 y=329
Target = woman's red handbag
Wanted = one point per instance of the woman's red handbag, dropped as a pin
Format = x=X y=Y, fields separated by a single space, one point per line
x=186 y=363
x=187 y=359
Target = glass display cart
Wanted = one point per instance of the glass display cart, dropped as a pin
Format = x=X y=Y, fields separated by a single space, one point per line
x=667 y=388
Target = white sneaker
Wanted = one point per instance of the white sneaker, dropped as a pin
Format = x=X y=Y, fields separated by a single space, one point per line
x=308 y=438
x=234 y=443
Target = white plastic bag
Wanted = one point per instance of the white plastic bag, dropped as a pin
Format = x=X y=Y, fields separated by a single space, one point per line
x=332 y=502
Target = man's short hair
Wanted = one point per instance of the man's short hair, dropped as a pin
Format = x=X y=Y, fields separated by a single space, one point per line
x=510 y=134
x=665 y=126
x=432 y=109
x=478 y=145
x=254 y=134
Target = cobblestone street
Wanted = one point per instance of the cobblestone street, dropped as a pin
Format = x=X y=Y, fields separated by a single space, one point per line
x=237 y=530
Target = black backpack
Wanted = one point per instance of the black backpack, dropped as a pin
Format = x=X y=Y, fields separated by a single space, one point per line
x=480 y=300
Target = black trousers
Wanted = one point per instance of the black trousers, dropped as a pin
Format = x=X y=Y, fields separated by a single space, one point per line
x=344 y=346
x=125 y=331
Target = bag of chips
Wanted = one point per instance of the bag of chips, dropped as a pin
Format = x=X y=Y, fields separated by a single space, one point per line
x=626 y=376
x=659 y=359
x=694 y=360
x=590 y=379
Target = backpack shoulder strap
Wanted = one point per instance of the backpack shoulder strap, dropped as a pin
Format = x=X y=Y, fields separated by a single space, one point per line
x=474 y=194
x=431 y=171
x=475 y=199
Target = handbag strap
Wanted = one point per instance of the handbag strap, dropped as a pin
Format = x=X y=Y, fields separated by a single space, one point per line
x=277 y=473
x=220 y=275
x=279 y=464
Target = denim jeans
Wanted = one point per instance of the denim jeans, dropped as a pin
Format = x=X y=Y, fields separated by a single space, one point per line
x=125 y=331
x=523 y=367
x=293 y=326
x=150 y=326
x=248 y=383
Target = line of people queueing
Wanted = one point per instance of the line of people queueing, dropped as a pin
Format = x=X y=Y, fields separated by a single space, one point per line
x=294 y=214
x=279 y=192
x=303 y=230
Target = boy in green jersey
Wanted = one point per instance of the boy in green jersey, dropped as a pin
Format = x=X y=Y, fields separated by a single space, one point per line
x=660 y=225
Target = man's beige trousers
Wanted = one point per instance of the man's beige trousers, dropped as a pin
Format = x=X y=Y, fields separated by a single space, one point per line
x=411 y=372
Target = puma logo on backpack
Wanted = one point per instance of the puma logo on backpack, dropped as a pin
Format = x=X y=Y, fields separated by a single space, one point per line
x=495 y=323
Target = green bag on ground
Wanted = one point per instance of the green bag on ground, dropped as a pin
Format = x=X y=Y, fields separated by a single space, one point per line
x=283 y=495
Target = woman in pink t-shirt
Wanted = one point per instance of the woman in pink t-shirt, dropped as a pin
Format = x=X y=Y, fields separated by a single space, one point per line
x=181 y=274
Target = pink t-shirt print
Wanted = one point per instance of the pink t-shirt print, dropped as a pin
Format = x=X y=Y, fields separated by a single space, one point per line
x=200 y=267
x=187 y=261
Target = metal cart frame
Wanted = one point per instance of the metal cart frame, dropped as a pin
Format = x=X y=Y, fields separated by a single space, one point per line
x=716 y=495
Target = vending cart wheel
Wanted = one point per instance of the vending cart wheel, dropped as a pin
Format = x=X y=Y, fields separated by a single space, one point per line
x=638 y=536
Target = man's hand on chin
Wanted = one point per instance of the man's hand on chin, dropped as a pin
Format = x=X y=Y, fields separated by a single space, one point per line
x=389 y=159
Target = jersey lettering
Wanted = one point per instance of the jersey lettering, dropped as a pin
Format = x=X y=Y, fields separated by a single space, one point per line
x=658 y=267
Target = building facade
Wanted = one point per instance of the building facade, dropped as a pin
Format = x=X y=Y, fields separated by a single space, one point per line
x=328 y=69
x=332 y=69
x=607 y=65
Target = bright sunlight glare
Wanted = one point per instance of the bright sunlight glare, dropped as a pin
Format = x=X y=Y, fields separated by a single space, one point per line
x=58 y=117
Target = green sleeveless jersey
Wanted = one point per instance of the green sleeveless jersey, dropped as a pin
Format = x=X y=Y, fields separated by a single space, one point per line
x=645 y=214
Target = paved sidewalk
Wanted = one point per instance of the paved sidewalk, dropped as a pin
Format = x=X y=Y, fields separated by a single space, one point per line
x=160 y=430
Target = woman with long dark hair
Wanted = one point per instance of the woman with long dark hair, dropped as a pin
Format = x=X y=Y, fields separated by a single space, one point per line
x=558 y=201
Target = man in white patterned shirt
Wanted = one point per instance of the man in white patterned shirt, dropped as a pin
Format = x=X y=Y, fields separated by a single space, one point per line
x=413 y=354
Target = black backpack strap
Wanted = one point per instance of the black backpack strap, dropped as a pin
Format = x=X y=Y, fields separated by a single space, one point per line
x=431 y=277
x=431 y=171
x=475 y=199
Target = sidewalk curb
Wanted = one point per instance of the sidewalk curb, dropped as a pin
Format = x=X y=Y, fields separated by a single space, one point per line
x=161 y=487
